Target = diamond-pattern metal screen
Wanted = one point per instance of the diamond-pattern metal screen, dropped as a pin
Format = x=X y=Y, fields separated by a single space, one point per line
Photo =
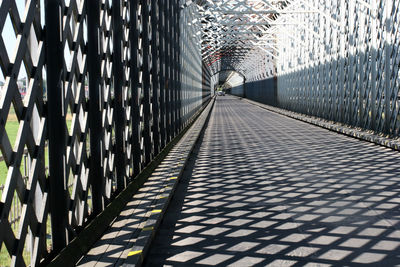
x=73 y=80
x=91 y=91
x=341 y=62
x=22 y=53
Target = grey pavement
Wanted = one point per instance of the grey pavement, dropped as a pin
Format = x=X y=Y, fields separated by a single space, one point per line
x=263 y=189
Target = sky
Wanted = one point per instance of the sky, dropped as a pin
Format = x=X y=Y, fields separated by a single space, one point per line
x=9 y=37
x=235 y=80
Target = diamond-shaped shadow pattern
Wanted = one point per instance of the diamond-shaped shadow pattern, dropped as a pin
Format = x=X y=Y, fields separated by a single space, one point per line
x=264 y=189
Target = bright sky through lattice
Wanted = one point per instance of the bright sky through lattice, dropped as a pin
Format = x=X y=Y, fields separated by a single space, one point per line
x=235 y=80
x=9 y=36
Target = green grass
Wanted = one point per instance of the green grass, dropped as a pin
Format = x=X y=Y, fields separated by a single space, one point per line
x=5 y=259
x=12 y=130
x=11 y=127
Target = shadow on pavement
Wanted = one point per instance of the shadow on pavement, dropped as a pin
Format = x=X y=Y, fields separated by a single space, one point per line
x=263 y=189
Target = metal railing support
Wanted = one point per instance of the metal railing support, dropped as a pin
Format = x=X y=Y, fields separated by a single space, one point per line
x=95 y=96
x=57 y=125
x=118 y=97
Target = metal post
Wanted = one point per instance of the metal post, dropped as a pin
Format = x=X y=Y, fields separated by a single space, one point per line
x=155 y=76
x=350 y=100
x=162 y=71
x=325 y=78
x=95 y=110
x=56 y=125
x=134 y=77
x=168 y=83
x=333 y=61
x=244 y=87
x=361 y=75
x=146 y=86
x=178 y=114
x=342 y=55
x=118 y=96
x=388 y=65
x=173 y=66
x=374 y=48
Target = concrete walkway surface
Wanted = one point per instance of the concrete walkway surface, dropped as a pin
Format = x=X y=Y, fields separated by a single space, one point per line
x=266 y=190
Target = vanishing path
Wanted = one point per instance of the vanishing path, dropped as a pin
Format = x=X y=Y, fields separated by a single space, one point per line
x=264 y=189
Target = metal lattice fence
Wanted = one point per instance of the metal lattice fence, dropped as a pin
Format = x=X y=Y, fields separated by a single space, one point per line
x=107 y=84
x=340 y=61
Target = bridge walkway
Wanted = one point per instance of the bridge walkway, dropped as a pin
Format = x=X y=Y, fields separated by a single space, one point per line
x=264 y=189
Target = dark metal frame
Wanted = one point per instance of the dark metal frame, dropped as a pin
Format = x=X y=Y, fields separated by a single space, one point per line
x=115 y=99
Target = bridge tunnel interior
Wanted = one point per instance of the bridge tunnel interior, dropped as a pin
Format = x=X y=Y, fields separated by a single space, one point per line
x=92 y=91
x=230 y=79
x=337 y=60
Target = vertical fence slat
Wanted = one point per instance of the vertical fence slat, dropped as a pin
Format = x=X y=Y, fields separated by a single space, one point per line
x=387 y=68
x=162 y=73
x=155 y=71
x=56 y=122
x=178 y=111
x=118 y=97
x=168 y=82
x=174 y=82
x=95 y=172
x=134 y=76
x=146 y=85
